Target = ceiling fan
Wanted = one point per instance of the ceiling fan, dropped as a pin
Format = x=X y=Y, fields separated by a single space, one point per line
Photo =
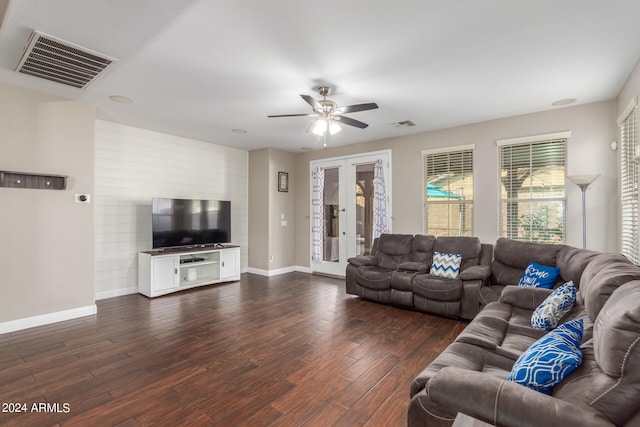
x=329 y=114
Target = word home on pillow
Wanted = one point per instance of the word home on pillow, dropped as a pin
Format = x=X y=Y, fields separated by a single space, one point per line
x=539 y=276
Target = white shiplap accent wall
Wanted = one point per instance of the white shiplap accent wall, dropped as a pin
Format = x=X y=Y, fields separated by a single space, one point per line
x=134 y=165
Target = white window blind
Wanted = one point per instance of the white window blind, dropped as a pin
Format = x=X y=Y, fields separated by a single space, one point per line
x=532 y=202
x=448 y=191
x=629 y=187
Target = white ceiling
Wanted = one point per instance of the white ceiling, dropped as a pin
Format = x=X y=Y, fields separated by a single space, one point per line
x=200 y=68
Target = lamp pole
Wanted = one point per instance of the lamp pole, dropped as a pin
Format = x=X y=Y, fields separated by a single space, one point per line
x=583 y=181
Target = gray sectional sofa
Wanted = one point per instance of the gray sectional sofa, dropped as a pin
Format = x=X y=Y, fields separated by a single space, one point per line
x=470 y=376
x=397 y=272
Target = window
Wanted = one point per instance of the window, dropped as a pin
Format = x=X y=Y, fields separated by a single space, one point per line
x=532 y=197
x=629 y=185
x=448 y=191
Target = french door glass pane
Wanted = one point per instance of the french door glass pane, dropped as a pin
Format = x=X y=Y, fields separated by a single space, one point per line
x=364 y=208
x=331 y=215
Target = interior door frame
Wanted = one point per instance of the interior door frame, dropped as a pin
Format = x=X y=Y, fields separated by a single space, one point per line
x=347 y=218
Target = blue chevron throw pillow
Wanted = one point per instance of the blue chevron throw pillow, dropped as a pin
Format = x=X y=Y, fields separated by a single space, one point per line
x=550 y=359
x=556 y=305
x=446 y=265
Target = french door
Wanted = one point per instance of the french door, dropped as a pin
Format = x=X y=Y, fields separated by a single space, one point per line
x=350 y=206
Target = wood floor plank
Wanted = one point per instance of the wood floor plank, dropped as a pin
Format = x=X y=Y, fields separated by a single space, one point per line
x=293 y=349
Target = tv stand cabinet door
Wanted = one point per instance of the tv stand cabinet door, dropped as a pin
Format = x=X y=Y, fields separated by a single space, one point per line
x=230 y=264
x=164 y=273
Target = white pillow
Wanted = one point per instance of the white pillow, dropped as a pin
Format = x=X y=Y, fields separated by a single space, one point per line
x=446 y=265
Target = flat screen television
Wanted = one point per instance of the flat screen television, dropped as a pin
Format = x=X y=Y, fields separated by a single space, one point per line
x=186 y=222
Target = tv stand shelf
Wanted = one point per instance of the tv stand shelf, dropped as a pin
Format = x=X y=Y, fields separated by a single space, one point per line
x=165 y=271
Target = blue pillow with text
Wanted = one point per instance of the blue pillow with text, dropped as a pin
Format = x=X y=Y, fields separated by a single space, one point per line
x=539 y=276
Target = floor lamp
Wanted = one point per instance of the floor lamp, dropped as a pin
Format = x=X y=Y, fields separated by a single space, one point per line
x=583 y=181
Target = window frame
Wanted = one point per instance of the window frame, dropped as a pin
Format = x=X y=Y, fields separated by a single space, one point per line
x=629 y=182
x=469 y=148
x=530 y=141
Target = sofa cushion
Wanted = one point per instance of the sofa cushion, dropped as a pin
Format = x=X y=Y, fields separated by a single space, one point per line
x=490 y=293
x=608 y=378
x=374 y=277
x=572 y=262
x=361 y=260
x=466 y=356
x=511 y=257
x=468 y=247
x=547 y=315
x=503 y=329
x=602 y=276
x=616 y=333
x=446 y=265
x=539 y=276
x=437 y=288
x=393 y=249
x=550 y=359
x=413 y=266
x=422 y=248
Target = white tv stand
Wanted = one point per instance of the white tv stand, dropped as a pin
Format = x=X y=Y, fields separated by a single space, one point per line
x=164 y=271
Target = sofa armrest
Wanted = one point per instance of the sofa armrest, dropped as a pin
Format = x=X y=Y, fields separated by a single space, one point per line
x=361 y=260
x=504 y=403
x=413 y=266
x=475 y=272
x=470 y=302
x=524 y=297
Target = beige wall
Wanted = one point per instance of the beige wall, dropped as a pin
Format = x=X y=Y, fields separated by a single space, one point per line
x=47 y=250
x=259 y=209
x=271 y=243
x=592 y=126
x=282 y=243
x=630 y=90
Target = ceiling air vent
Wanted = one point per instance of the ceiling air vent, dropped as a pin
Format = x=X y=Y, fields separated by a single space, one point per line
x=403 y=124
x=57 y=60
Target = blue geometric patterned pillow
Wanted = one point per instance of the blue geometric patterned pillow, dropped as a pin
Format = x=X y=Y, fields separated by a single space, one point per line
x=539 y=276
x=550 y=359
x=446 y=265
x=556 y=305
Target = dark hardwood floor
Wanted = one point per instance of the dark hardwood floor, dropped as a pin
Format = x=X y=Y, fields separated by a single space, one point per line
x=282 y=351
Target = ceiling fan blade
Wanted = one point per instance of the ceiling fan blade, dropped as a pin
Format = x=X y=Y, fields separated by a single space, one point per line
x=351 y=122
x=314 y=104
x=358 y=107
x=294 y=115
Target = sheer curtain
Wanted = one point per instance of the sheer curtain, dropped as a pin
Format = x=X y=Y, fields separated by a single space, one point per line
x=379 y=201
x=317 y=213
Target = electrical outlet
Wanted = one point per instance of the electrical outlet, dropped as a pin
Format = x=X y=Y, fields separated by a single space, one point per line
x=83 y=198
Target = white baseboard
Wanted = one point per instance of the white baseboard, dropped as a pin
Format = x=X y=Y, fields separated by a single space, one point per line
x=115 y=293
x=45 y=319
x=278 y=271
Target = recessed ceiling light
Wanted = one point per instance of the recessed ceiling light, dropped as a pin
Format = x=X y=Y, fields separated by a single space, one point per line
x=563 y=102
x=239 y=130
x=121 y=99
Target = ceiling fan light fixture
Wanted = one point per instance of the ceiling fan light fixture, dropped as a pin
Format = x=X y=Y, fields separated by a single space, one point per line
x=319 y=127
x=334 y=128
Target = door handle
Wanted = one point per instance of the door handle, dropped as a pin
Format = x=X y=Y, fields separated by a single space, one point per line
x=343 y=210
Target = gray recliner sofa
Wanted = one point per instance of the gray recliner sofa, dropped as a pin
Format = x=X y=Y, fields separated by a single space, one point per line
x=397 y=273
x=470 y=376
